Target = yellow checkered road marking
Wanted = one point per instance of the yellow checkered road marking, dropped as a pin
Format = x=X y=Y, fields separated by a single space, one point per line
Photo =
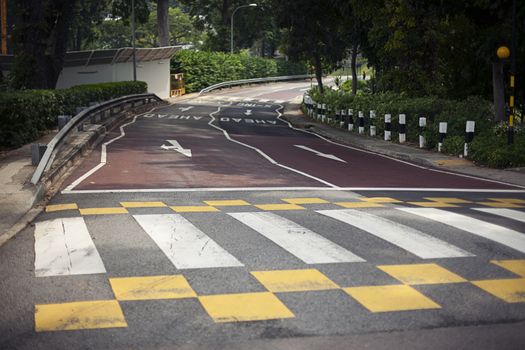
x=60 y=207
x=294 y=280
x=421 y=274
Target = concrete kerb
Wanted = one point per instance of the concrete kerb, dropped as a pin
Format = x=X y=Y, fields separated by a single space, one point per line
x=53 y=179
x=293 y=114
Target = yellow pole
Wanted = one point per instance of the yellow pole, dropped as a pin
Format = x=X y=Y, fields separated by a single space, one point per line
x=3 y=25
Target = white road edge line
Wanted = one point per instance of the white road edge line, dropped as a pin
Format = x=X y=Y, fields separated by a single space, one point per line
x=391 y=158
x=233 y=189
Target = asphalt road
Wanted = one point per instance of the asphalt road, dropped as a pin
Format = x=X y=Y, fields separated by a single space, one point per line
x=213 y=224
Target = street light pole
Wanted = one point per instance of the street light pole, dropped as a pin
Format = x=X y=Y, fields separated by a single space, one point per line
x=231 y=28
x=133 y=40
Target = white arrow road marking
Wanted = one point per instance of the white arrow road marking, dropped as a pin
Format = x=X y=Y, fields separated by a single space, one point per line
x=184 y=109
x=177 y=147
x=329 y=156
x=248 y=112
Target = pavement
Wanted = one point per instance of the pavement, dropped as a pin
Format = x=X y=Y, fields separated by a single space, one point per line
x=214 y=224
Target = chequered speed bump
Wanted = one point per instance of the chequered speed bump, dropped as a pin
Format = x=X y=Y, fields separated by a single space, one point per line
x=379 y=200
x=194 y=209
x=294 y=280
x=60 y=207
x=504 y=203
x=103 y=211
x=391 y=298
x=79 y=315
x=151 y=287
x=227 y=203
x=280 y=207
x=440 y=202
x=244 y=307
x=515 y=266
x=143 y=204
x=415 y=274
x=305 y=200
x=359 y=204
x=510 y=290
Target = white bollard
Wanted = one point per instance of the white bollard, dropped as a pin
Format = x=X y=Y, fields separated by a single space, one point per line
x=422 y=125
x=372 y=126
x=402 y=128
x=388 y=127
x=469 y=135
x=442 y=134
x=361 y=128
x=343 y=118
x=350 y=119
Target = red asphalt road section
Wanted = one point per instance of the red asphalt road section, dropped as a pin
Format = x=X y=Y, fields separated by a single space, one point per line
x=137 y=160
x=361 y=169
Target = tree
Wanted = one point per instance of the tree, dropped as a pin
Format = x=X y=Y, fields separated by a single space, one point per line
x=41 y=36
x=162 y=22
x=313 y=32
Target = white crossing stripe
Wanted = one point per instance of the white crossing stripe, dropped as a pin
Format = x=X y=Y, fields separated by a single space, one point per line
x=264 y=100
x=506 y=213
x=278 y=101
x=407 y=238
x=496 y=233
x=306 y=245
x=184 y=244
x=248 y=99
x=64 y=247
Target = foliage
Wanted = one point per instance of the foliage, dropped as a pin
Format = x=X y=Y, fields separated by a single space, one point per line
x=202 y=69
x=346 y=86
x=490 y=148
x=25 y=115
x=454 y=145
x=436 y=110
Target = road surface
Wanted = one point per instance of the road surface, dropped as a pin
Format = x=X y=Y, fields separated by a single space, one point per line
x=215 y=224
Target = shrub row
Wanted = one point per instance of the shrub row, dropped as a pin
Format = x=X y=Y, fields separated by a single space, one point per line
x=202 y=69
x=488 y=148
x=26 y=114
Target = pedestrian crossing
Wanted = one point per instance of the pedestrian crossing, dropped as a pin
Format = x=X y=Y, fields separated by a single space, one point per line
x=64 y=246
x=242 y=99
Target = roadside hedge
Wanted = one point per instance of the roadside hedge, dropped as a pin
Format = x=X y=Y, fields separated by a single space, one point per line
x=26 y=114
x=202 y=69
x=488 y=148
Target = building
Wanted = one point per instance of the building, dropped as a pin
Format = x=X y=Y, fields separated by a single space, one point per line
x=100 y=66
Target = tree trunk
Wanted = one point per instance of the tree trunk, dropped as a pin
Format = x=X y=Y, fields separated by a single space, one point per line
x=162 y=22
x=353 y=66
x=498 y=90
x=319 y=73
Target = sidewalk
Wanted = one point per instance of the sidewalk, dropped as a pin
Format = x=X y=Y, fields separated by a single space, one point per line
x=410 y=153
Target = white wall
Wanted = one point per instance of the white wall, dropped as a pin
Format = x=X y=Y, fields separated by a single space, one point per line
x=155 y=73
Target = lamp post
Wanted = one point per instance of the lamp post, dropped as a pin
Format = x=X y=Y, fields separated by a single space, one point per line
x=231 y=29
x=133 y=40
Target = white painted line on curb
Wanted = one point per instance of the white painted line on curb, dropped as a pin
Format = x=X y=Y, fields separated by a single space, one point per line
x=506 y=213
x=306 y=245
x=407 y=238
x=185 y=245
x=502 y=235
x=64 y=247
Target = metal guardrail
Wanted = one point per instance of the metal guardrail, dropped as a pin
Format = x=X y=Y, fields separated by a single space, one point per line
x=53 y=145
x=252 y=81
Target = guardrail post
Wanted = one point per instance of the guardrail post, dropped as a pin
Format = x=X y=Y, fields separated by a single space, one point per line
x=469 y=135
x=62 y=120
x=323 y=116
x=372 y=127
x=329 y=115
x=342 y=122
x=361 y=128
x=388 y=127
x=37 y=152
x=79 y=109
x=422 y=125
x=442 y=134
x=402 y=128
x=350 y=119
x=319 y=111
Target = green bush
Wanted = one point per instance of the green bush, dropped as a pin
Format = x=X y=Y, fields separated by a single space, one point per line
x=490 y=148
x=202 y=69
x=436 y=110
x=454 y=145
x=26 y=114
